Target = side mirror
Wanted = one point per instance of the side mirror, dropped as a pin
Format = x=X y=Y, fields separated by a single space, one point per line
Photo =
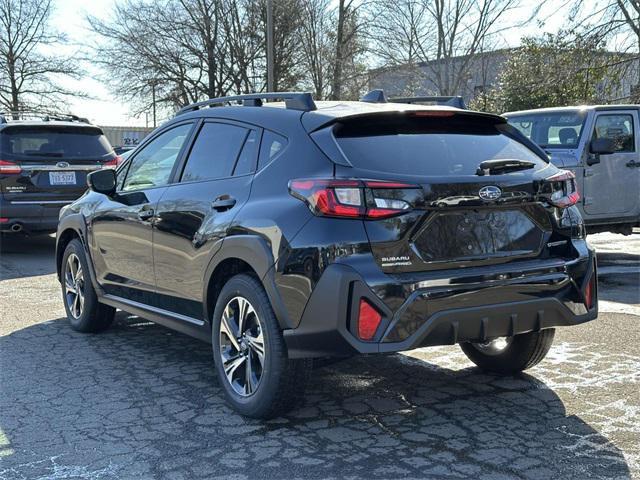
x=602 y=146
x=102 y=181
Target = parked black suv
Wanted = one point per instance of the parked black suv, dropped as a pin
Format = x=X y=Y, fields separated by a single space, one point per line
x=287 y=232
x=44 y=161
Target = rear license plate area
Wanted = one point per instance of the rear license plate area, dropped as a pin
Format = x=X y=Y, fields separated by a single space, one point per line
x=62 y=178
x=476 y=234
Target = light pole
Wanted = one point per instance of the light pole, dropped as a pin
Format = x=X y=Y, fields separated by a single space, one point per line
x=153 y=100
x=270 y=45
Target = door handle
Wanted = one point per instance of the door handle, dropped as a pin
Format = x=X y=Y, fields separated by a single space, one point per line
x=146 y=213
x=633 y=164
x=223 y=203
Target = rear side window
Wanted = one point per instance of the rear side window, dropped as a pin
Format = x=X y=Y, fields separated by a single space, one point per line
x=214 y=152
x=272 y=145
x=247 y=159
x=428 y=146
x=54 y=142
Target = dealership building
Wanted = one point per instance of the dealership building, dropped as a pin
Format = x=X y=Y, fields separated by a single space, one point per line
x=125 y=136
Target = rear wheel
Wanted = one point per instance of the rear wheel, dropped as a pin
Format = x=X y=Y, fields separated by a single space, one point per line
x=510 y=354
x=84 y=311
x=255 y=373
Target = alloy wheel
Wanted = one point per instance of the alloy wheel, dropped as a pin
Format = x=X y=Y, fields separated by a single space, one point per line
x=74 y=285
x=242 y=349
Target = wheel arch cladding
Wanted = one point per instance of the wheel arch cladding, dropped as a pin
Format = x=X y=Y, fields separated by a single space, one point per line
x=243 y=254
x=63 y=240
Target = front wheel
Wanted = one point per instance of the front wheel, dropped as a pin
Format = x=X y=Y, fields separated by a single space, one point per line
x=84 y=311
x=510 y=354
x=254 y=371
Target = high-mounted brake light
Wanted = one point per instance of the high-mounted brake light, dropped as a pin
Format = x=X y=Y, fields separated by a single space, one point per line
x=433 y=113
x=564 y=189
x=113 y=163
x=347 y=198
x=9 y=168
x=368 y=320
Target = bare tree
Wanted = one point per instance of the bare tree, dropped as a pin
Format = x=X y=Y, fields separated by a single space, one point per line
x=444 y=36
x=27 y=73
x=316 y=45
x=140 y=54
x=619 y=22
x=190 y=50
x=348 y=48
x=287 y=19
x=332 y=48
x=606 y=18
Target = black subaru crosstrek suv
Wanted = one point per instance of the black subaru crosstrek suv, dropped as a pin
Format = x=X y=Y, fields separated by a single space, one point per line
x=44 y=161
x=287 y=232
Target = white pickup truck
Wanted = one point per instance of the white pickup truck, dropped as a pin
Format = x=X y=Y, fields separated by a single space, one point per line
x=601 y=145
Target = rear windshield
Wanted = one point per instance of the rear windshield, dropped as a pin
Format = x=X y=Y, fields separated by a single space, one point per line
x=551 y=130
x=428 y=146
x=54 y=142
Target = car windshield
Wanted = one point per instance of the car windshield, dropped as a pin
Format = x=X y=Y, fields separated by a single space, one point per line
x=54 y=142
x=551 y=130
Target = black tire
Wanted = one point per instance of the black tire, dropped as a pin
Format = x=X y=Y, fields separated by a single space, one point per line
x=282 y=381
x=522 y=352
x=94 y=316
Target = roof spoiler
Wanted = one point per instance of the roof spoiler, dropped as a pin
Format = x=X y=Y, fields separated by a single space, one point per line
x=302 y=101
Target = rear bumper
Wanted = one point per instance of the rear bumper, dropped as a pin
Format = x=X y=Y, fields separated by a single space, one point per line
x=30 y=217
x=473 y=305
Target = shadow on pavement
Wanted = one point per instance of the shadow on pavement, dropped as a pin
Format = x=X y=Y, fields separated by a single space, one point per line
x=140 y=401
x=26 y=256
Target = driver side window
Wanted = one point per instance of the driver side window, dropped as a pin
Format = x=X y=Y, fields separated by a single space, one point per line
x=152 y=166
x=617 y=127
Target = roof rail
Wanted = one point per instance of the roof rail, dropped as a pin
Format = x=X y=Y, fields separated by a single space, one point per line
x=293 y=101
x=374 y=96
x=452 y=101
x=65 y=117
x=40 y=115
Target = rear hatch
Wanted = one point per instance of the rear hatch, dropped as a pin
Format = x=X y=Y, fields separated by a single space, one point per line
x=49 y=163
x=468 y=189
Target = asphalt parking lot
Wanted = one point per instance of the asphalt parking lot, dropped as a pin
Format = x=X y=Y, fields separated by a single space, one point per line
x=140 y=401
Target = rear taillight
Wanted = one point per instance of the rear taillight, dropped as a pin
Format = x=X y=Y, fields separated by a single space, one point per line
x=351 y=198
x=564 y=190
x=113 y=163
x=9 y=168
x=368 y=320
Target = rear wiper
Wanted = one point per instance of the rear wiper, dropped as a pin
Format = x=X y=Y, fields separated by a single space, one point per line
x=493 y=166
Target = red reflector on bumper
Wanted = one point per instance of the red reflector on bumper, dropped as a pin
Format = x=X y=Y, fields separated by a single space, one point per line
x=4 y=220
x=368 y=320
x=589 y=292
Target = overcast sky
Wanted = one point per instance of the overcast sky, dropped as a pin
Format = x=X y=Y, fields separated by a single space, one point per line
x=107 y=109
